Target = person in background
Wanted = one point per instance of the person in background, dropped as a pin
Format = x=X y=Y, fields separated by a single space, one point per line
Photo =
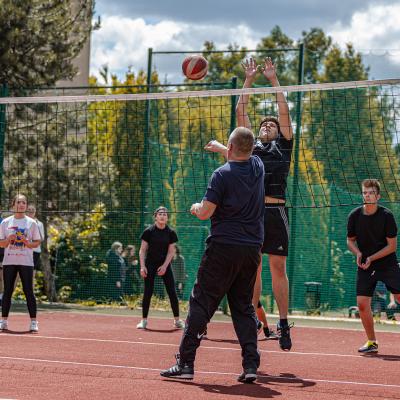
x=179 y=270
x=133 y=279
x=116 y=271
x=31 y=212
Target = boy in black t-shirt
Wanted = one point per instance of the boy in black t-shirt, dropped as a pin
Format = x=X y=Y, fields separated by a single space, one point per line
x=372 y=238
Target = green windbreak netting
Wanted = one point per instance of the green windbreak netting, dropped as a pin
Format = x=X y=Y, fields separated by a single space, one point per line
x=96 y=167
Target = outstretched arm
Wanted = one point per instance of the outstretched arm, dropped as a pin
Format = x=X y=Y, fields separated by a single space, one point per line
x=250 y=69
x=283 y=108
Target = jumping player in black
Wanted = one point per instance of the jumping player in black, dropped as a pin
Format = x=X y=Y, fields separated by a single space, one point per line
x=274 y=146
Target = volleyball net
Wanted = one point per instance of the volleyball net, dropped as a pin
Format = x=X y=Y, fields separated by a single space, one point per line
x=96 y=166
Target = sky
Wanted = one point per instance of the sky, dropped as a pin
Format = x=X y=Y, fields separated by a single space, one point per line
x=130 y=27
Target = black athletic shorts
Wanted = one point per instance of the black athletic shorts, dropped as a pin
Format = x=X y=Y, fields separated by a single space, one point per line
x=276 y=230
x=367 y=279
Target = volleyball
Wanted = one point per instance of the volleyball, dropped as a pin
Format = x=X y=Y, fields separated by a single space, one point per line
x=195 y=67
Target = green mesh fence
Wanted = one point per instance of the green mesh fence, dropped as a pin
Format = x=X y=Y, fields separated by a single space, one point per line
x=97 y=167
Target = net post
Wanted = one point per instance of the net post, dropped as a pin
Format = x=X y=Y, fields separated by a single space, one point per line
x=293 y=210
x=3 y=121
x=233 y=103
x=145 y=164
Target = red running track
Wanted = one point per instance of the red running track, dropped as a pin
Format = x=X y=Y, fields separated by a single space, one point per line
x=86 y=356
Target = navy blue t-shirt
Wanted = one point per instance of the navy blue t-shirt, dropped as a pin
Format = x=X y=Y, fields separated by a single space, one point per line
x=237 y=188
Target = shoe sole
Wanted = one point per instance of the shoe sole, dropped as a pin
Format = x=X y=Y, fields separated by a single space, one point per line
x=249 y=378
x=187 y=377
x=368 y=352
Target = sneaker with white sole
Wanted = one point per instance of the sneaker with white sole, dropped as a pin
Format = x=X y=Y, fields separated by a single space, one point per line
x=142 y=324
x=180 y=370
x=3 y=325
x=249 y=375
x=34 y=326
x=370 y=347
x=179 y=324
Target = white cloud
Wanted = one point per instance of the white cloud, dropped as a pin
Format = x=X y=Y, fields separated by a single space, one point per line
x=372 y=30
x=123 y=42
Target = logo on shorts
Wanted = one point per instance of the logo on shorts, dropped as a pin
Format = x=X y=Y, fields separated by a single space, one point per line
x=280 y=248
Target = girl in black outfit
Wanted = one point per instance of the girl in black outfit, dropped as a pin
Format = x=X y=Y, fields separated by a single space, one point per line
x=156 y=252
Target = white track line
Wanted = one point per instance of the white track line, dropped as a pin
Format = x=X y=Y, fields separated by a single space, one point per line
x=297 y=379
x=176 y=345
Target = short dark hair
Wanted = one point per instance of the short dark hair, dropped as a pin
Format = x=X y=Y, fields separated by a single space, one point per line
x=161 y=208
x=273 y=119
x=374 y=183
x=243 y=140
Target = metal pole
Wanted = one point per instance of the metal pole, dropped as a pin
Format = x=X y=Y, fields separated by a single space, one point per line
x=3 y=121
x=293 y=214
x=233 y=103
x=145 y=164
x=224 y=302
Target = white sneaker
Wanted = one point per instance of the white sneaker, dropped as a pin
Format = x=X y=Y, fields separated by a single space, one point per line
x=34 y=326
x=178 y=323
x=142 y=324
x=3 y=325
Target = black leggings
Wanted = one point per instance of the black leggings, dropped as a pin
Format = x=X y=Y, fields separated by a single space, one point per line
x=169 y=283
x=9 y=277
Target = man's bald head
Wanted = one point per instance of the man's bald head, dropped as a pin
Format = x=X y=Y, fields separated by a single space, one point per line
x=242 y=142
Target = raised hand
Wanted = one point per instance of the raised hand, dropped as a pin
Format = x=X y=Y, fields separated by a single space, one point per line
x=250 y=68
x=269 y=69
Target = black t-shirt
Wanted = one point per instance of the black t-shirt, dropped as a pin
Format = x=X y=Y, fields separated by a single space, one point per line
x=276 y=156
x=158 y=241
x=238 y=191
x=371 y=232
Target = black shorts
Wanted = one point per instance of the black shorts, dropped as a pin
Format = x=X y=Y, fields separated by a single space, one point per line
x=367 y=279
x=36 y=261
x=276 y=230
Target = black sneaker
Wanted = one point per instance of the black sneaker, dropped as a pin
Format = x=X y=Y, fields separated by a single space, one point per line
x=178 y=371
x=285 y=342
x=249 y=375
x=260 y=326
x=270 y=334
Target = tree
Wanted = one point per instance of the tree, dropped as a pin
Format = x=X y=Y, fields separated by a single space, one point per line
x=40 y=39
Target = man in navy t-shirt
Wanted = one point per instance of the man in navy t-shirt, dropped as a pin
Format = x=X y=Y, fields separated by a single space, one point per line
x=234 y=201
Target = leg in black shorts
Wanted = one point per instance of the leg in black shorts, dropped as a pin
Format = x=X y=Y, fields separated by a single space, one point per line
x=367 y=279
x=276 y=230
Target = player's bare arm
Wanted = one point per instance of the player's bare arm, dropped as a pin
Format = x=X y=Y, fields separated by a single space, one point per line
x=170 y=255
x=283 y=107
x=216 y=147
x=390 y=248
x=250 y=70
x=142 y=255
x=352 y=246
